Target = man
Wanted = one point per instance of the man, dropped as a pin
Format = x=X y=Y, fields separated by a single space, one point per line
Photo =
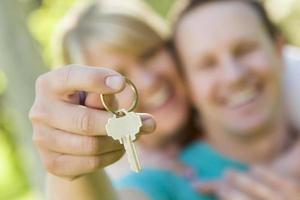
x=232 y=58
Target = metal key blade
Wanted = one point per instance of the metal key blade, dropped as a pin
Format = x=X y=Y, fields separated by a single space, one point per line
x=124 y=128
x=136 y=160
x=131 y=152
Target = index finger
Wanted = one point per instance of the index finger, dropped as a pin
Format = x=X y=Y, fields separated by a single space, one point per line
x=209 y=187
x=277 y=181
x=251 y=186
x=82 y=120
x=72 y=78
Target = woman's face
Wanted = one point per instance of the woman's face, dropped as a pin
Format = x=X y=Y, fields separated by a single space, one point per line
x=233 y=67
x=159 y=85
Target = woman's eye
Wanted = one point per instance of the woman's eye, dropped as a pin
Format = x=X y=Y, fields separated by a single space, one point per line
x=148 y=55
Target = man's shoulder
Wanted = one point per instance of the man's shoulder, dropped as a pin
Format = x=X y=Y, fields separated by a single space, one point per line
x=292 y=85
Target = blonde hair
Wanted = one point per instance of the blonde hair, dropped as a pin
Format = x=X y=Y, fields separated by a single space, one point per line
x=128 y=27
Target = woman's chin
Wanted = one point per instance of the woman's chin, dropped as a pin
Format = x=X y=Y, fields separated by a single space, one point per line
x=170 y=125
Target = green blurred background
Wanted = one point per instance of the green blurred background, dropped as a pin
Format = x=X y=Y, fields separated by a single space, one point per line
x=26 y=28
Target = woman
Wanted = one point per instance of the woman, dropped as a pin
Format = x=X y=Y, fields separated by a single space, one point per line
x=130 y=45
x=179 y=188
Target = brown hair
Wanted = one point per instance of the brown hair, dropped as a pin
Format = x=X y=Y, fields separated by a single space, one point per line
x=255 y=4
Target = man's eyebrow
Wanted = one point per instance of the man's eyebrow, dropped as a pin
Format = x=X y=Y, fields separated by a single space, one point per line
x=246 y=38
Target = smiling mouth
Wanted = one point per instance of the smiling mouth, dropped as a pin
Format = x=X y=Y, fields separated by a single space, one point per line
x=243 y=97
x=159 y=98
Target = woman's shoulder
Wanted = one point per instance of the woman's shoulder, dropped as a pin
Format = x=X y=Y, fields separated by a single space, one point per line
x=152 y=182
x=196 y=148
x=207 y=162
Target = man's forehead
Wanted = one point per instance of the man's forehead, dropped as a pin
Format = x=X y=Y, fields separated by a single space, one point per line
x=221 y=15
x=218 y=22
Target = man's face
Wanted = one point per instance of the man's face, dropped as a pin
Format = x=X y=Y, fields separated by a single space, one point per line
x=233 y=67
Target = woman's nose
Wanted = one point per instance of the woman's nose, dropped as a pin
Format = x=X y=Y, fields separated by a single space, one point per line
x=145 y=80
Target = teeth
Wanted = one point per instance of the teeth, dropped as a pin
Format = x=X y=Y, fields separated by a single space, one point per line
x=158 y=98
x=241 y=97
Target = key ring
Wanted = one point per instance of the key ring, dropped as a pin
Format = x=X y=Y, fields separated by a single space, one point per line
x=133 y=105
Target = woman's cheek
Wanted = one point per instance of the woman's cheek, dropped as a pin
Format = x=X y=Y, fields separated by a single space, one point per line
x=199 y=89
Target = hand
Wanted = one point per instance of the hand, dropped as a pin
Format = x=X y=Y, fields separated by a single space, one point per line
x=258 y=184
x=71 y=138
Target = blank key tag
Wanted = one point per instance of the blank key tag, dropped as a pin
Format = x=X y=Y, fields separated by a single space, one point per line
x=124 y=125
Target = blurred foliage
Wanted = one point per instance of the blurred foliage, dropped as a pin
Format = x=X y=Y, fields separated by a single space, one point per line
x=42 y=23
x=286 y=13
x=3 y=82
x=13 y=181
x=43 y=20
x=29 y=5
x=161 y=7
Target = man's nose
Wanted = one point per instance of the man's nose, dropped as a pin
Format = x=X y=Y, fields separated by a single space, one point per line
x=233 y=72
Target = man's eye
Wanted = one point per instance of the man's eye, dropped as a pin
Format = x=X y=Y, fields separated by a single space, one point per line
x=208 y=63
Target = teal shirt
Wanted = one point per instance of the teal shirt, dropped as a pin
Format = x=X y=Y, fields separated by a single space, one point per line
x=166 y=185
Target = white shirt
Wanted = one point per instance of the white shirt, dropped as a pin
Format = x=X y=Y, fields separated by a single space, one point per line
x=292 y=84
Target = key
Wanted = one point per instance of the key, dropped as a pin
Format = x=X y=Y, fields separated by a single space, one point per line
x=124 y=128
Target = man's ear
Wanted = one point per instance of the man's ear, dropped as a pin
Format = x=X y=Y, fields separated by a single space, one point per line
x=280 y=43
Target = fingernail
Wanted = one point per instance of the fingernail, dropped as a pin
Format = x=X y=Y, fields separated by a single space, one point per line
x=145 y=117
x=115 y=82
x=148 y=122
